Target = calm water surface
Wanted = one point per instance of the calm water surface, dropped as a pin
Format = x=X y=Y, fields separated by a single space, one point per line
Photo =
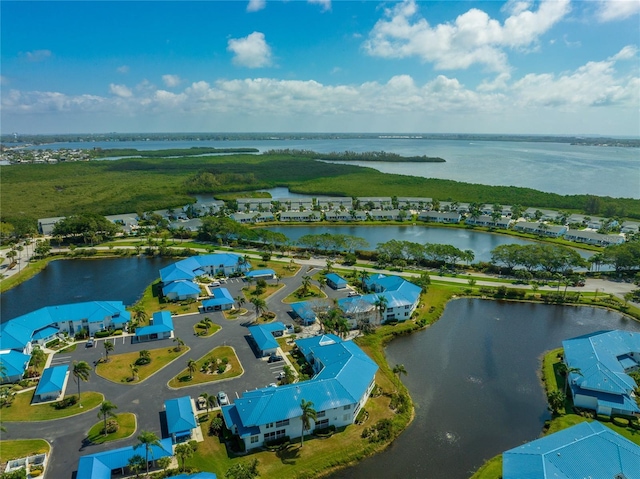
x=474 y=379
x=78 y=280
x=553 y=167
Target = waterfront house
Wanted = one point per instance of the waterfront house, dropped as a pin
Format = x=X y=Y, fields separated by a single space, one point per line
x=440 y=217
x=375 y=202
x=336 y=281
x=382 y=215
x=308 y=216
x=52 y=384
x=181 y=419
x=128 y=221
x=586 y=450
x=307 y=311
x=295 y=204
x=249 y=205
x=101 y=465
x=630 y=227
x=414 y=203
x=344 y=377
x=591 y=237
x=334 y=203
x=160 y=327
x=220 y=301
x=181 y=290
x=351 y=215
x=205 y=208
x=487 y=220
x=542 y=215
x=604 y=360
x=264 y=335
x=245 y=218
x=541 y=229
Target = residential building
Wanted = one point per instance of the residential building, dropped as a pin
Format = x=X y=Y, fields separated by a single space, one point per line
x=344 y=378
x=591 y=237
x=602 y=363
x=334 y=203
x=245 y=218
x=311 y=216
x=52 y=383
x=541 y=229
x=586 y=450
x=440 y=217
x=46 y=225
x=381 y=215
x=205 y=208
x=160 y=327
x=181 y=418
x=261 y=274
x=221 y=300
x=487 y=220
x=336 y=281
x=543 y=215
x=264 y=336
x=630 y=227
x=351 y=215
x=296 y=204
x=254 y=204
x=375 y=202
x=181 y=290
x=414 y=203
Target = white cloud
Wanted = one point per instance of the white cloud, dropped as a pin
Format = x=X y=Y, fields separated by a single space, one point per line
x=256 y=5
x=251 y=51
x=171 y=81
x=609 y=10
x=120 y=90
x=124 y=69
x=473 y=38
x=627 y=53
x=325 y=4
x=37 y=55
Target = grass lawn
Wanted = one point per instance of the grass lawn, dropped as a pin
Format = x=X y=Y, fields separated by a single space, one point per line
x=312 y=293
x=127 y=426
x=118 y=371
x=213 y=329
x=22 y=410
x=199 y=377
x=22 y=448
x=271 y=288
x=492 y=469
x=233 y=314
x=153 y=301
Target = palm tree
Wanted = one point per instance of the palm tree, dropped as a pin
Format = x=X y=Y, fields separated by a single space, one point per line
x=191 y=366
x=399 y=370
x=364 y=276
x=259 y=304
x=106 y=410
x=134 y=371
x=136 y=464
x=38 y=357
x=308 y=413
x=556 y=401
x=180 y=343
x=183 y=451
x=81 y=372
x=139 y=314
x=108 y=347
x=240 y=300
x=145 y=355
x=306 y=283
x=147 y=439
x=322 y=283
x=381 y=305
x=564 y=371
x=207 y=324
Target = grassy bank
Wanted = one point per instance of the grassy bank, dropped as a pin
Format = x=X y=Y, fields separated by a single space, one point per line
x=22 y=448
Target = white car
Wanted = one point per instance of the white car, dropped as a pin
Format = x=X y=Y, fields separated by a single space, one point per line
x=223 y=399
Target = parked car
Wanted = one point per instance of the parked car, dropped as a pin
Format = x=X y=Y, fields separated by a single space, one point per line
x=90 y=343
x=272 y=385
x=223 y=399
x=274 y=358
x=214 y=284
x=353 y=293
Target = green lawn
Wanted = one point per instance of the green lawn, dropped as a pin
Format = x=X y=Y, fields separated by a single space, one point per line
x=118 y=370
x=312 y=293
x=22 y=448
x=199 y=377
x=233 y=314
x=22 y=410
x=127 y=426
x=153 y=301
x=213 y=329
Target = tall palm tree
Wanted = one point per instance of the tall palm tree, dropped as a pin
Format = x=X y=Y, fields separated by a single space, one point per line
x=139 y=314
x=191 y=366
x=147 y=439
x=38 y=357
x=240 y=300
x=180 y=343
x=106 y=410
x=184 y=451
x=134 y=371
x=364 y=276
x=322 y=283
x=381 y=305
x=81 y=372
x=308 y=413
x=207 y=324
x=306 y=283
x=259 y=304
x=565 y=370
x=108 y=347
x=399 y=370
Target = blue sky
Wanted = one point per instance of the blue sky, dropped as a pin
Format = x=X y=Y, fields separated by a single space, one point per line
x=547 y=67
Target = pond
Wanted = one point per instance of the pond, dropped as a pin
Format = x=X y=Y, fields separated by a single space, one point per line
x=77 y=280
x=474 y=379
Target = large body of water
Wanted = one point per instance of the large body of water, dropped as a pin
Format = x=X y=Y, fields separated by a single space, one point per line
x=553 y=167
x=480 y=242
x=474 y=380
x=77 y=280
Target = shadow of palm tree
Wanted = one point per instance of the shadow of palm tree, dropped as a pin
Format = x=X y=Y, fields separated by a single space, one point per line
x=288 y=454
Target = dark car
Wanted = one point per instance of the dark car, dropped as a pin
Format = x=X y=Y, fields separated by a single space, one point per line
x=274 y=358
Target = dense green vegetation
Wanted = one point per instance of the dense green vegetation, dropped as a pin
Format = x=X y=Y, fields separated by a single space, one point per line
x=354 y=156
x=144 y=184
x=194 y=150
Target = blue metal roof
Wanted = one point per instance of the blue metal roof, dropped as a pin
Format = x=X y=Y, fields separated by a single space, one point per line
x=220 y=296
x=180 y=416
x=263 y=336
x=191 y=267
x=45 y=333
x=260 y=272
x=335 y=278
x=161 y=322
x=344 y=378
x=100 y=464
x=181 y=288
x=15 y=363
x=601 y=358
x=197 y=475
x=582 y=451
x=308 y=310
x=52 y=379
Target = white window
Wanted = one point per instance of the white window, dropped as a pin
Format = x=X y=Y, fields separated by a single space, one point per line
x=321 y=413
x=254 y=439
x=346 y=417
x=322 y=424
x=347 y=407
x=282 y=423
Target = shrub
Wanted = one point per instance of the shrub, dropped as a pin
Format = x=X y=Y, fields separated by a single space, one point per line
x=142 y=361
x=221 y=368
x=102 y=334
x=66 y=402
x=277 y=443
x=117 y=332
x=112 y=426
x=620 y=421
x=52 y=343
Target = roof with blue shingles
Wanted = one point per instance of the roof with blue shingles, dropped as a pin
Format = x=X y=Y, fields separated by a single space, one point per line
x=100 y=464
x=584 y=450
x=263 y=335
x=346 y=374
x=180 y=417
x=220 y=296
x=336 y=279
x=52 y=379
x=161 y=322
